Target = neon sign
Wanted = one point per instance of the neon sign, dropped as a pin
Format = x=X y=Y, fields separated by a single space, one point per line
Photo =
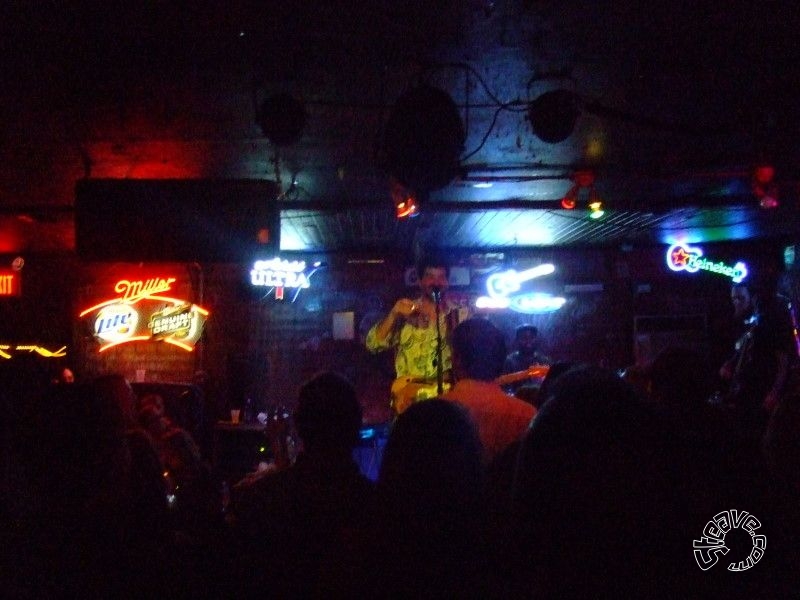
x=7 y=350
x=137 y=290
x=279 y=274
x=682 y=257
x=489 y=302
x=142 y=312
x=10 y=283
x=536 y=303
x=500 y=286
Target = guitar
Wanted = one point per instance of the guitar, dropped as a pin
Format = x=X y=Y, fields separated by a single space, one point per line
x=735 y=366
x=532 y=372
x=406 y=391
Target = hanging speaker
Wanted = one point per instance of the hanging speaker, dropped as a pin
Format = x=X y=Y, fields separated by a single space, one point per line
x=282 y=118
x=423 y=139
x=553 y=115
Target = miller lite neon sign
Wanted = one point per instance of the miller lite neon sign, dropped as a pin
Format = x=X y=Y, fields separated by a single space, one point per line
x=682 y=257
x=141 y=312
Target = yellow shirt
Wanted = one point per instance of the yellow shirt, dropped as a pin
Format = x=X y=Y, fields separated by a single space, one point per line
x=414 y=343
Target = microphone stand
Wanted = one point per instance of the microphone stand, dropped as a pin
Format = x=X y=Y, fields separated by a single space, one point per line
x=437 y=295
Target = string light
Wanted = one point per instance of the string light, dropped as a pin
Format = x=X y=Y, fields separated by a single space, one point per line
x=568 y=201
x=764 y=188
x=596 y=209
x=583 y=184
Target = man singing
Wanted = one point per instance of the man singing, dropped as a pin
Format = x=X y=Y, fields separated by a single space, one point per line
x=422 y=350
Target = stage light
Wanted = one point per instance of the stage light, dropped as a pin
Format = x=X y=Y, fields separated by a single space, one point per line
x=768 y=202
x=582 y=186
x=406 y=202
x=596 y=209
x=568 y=201
x=764 y=187
x=407 y=208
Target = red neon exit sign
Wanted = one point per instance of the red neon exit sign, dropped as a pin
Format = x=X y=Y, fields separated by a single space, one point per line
x=10 y=283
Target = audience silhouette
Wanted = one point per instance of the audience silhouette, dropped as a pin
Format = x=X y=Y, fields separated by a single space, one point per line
x=598 y=503
x=603 y=495
x=428 y=531
x=478 y=349
x=93 y=524
x=193 y=494
x=297 y=527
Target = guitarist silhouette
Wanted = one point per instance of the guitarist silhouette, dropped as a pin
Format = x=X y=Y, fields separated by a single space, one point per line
x=758 y=371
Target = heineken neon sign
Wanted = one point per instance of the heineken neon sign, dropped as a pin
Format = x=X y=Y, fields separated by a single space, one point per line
x=682 y=257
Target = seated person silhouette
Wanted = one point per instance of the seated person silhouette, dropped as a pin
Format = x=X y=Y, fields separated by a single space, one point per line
x=298 y=521
x=429 y=515
x=600 y=501
x=526 y=354
x=192 y=492
x=97 y=498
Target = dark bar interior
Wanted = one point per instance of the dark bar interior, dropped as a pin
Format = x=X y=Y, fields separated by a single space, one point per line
x=461 y=299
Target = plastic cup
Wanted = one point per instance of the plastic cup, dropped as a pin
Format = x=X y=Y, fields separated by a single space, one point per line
x=235 y=416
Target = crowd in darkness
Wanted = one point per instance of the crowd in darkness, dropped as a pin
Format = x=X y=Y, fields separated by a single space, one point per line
x=602 y=495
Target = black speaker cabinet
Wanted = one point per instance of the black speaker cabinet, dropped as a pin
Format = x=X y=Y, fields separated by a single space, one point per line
x=183 y=220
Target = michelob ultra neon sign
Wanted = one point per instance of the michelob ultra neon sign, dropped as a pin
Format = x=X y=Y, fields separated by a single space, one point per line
x=141 y=311
x=682 y=257
x=280 y=274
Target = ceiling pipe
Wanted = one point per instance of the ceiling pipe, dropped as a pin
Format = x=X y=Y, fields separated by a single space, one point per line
x=447 y=206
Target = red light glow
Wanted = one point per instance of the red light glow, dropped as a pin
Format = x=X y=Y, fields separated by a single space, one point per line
x=407 y=208
x=10 y=283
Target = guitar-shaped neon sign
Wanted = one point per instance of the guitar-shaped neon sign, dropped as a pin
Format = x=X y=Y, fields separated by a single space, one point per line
x=500 y=285
x=683 y=257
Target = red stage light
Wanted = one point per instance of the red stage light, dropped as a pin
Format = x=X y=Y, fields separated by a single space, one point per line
x=764 y=188
x=407 y=208
x=582 y=180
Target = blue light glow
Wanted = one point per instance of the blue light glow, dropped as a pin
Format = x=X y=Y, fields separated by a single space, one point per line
x=536 y=303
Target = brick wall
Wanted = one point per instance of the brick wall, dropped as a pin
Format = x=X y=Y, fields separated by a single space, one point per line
x=259 y=347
